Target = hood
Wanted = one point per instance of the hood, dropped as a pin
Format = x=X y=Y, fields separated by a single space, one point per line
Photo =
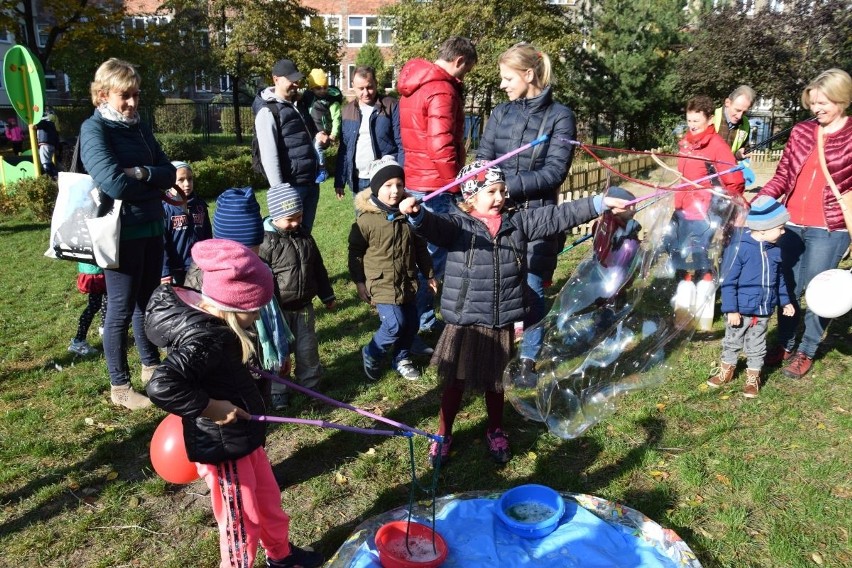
x=365 y=204
x=170 y=315
x=419 y=72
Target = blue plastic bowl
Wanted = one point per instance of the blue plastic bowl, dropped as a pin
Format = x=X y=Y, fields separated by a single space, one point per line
x=530 y=511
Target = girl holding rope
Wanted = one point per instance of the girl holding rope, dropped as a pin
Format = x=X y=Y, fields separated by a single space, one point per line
x=483 y=290
x=121 y=154
x=205 y=380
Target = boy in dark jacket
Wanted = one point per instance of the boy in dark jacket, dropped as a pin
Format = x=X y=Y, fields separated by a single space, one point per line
x=384 y=258
x=753 y=287
x=300 y=274
x=185 y=225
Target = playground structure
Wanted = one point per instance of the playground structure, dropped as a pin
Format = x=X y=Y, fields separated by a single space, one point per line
x=24 y=79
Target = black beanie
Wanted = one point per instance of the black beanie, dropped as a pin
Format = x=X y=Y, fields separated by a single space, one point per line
x=382 y=170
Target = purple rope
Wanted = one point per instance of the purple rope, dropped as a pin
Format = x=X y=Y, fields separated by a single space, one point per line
x=339 y=404
x=324 y=424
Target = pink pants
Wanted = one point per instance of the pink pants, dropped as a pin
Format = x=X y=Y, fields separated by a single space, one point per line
x=247 y=506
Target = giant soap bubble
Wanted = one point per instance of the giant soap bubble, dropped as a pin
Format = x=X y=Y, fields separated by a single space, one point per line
x=616 y=319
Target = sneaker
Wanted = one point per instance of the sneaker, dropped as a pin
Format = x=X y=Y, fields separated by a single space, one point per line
x=407 y=369
x=799 y=366
x=371 y=366
x=498 y=446
x=298 y=558
x=81 y=348
x=322 y=176
x=439 y=454
x=124 y=395
x=419 y=348
x=776 y=356
x=280 y=401
x=752 y=385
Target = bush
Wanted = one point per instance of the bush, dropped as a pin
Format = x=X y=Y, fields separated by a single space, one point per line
x=212 y=176
x=38 y=194
x=177 y=116
x=226 y=120
x=184 y=147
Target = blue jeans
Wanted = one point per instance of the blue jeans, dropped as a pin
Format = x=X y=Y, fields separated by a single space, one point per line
x=531 y=343
x=308 y=370
x=129 y=288
x=805 y=252
x=310 y=201
x=362 y=184
x=440 y=204
x=397 y=331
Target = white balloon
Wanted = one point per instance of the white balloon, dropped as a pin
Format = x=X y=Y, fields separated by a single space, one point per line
x=829 y=293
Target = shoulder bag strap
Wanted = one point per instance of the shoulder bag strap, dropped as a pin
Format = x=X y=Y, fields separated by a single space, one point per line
x=844 y=208
x=540 y=132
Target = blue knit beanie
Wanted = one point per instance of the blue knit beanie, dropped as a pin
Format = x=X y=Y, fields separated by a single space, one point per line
x=766 y=213
x=283 y=201
x=237 y=217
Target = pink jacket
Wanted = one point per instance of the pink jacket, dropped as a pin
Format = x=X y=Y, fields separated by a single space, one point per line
x=14 y=133
x=431 y=123
x=838 y=157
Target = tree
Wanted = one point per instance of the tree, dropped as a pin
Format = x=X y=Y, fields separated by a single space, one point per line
x=370 y=55
x=494 y=26
x=63 y=18
x=248 y=36
x=626 y=69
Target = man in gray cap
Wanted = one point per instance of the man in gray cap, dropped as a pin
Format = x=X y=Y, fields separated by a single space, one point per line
x=284 y=136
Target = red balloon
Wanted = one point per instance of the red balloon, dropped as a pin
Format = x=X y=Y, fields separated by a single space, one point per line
x=168 y=452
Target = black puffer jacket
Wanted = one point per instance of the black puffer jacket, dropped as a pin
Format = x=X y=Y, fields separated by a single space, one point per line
x=485 y=278
x=534 y=177
x=204 y=362
x=297 y=265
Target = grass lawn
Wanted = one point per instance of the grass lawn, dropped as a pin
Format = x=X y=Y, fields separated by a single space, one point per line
x=763 y=483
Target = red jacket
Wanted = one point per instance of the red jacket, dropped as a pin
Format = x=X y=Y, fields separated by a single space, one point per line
x=431 y=123
x=838 y=158
x=714 y=152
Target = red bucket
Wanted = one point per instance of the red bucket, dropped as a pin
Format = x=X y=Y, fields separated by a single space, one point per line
x=393 y=552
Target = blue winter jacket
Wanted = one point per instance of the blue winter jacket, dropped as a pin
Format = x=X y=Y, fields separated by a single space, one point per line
x=107 y=147
x=384 y=136
x=184 y=228
x=754 y=284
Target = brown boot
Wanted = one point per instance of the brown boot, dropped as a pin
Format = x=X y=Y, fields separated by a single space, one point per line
x=124 y=395
x=752 y=385
x=147 y=373
x=723 y=377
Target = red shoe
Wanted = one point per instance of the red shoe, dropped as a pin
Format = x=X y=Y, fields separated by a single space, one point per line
x=799 y=366
x=776 y=356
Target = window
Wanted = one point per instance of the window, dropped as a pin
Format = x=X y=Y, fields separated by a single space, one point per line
x=43 y=31
x=202 y=83
x=141 y=24
x=224 y=83
x=5 y=36
x=365 y=29
x=350 y=73
x=50 y=81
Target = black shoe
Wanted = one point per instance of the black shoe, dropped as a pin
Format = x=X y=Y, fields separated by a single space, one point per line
x=298 y=558
x=280 y=401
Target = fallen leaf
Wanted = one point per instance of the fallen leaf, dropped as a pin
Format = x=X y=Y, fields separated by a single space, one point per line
x=725 y=396
x=703 y=387
x=723 y=479
x=89 y=421
x=73 y=485
x=531 y=456
x=112 y=475
x=657 y=474
x=661 y=406
x=371 y=452
x=340 y=479
x=820 y=426
x=133 y=502
x=817 y=558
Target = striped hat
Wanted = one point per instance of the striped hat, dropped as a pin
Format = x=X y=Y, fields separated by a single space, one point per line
x=283 y=201
x=766 y=213
x=237 y=217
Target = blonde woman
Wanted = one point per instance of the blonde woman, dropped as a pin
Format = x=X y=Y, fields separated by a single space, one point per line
x=120 y=153
x=533 y=178
x=816 y=236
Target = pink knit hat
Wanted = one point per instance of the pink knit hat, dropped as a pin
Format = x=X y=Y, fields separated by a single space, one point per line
x=234 y=277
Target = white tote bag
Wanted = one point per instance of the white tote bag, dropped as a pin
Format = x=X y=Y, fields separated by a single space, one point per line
x=77 y=232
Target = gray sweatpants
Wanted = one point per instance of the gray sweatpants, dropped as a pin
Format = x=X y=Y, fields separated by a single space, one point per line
x=749 y=337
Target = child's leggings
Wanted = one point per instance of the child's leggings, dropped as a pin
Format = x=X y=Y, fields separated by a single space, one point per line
x=451 y=400
x=96 y=302
x=247 y=506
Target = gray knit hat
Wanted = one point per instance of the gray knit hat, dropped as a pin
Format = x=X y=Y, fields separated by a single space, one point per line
x=283 y=201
